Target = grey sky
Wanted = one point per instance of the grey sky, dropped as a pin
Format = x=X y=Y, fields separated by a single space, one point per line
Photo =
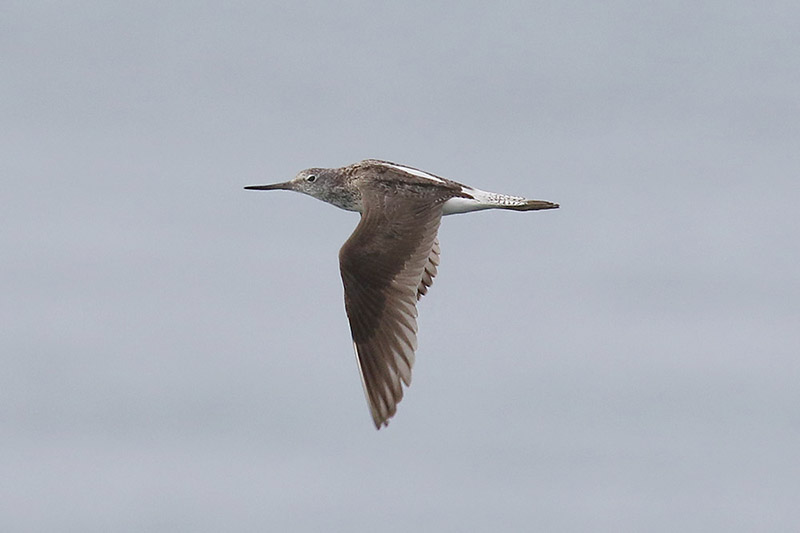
x=175 y=351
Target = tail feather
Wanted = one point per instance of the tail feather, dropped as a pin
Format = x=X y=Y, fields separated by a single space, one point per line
x=506 y=201
x=477 y=200
x=530 y=205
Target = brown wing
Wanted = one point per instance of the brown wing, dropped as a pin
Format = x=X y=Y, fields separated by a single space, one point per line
x=383 y=265
x=431 y=267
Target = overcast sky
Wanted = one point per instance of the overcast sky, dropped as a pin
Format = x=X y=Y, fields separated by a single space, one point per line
x=175 y=354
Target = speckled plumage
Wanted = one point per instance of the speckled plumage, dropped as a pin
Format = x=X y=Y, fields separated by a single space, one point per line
x=390 y=260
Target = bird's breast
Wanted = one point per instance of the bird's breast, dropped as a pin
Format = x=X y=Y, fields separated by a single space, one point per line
x=348 y=199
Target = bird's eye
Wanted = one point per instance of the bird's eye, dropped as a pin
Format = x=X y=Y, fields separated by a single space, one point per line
x=311 y=178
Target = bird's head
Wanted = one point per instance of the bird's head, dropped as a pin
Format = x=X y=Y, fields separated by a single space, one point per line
x=324 y=184
x=311 y=181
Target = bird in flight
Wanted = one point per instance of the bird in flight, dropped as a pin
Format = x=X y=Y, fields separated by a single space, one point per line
x=390 y=260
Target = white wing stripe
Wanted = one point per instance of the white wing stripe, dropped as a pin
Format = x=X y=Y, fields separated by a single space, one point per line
x=415 y=172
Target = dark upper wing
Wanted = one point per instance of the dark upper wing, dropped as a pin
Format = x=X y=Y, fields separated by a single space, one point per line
x=385 y=264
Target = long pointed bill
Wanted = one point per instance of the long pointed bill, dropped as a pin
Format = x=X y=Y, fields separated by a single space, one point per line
x=285 y=186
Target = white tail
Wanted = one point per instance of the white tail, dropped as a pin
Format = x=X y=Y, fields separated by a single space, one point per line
x=479 y=200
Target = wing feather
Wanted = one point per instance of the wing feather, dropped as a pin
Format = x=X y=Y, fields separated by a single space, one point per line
x=430 y=271
x=387 y=264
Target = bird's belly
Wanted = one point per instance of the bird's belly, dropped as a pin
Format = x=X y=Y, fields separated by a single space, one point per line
x=459 y=204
